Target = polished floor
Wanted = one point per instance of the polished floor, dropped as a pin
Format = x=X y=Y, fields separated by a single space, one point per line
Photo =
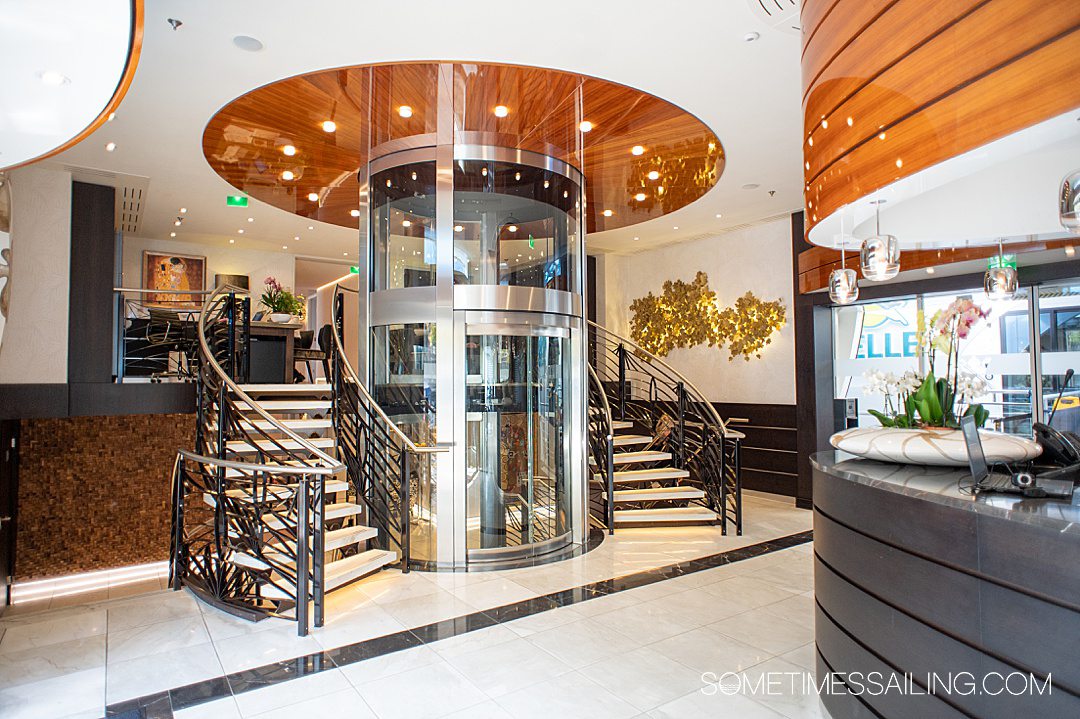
x=638 y=651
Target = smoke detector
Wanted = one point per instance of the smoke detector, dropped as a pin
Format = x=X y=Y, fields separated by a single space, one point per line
x=783 y=15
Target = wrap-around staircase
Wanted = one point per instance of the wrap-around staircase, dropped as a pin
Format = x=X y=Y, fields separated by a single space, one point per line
x=294 y=490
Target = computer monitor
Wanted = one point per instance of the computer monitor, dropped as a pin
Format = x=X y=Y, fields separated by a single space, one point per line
x=976 y=457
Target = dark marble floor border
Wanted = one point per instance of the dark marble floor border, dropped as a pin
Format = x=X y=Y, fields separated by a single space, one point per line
x=161 y=705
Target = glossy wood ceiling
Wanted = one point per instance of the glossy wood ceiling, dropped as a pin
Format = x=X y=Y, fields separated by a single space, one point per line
x=891 y=87
x=243 y=141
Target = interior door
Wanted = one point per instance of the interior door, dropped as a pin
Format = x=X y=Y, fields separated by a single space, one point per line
x=9 y=477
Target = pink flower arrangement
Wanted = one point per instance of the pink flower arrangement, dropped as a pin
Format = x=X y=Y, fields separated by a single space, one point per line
x=958 y=318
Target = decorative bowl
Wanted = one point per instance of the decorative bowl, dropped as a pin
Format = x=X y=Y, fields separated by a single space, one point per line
x=931 y=445
x=281 y=317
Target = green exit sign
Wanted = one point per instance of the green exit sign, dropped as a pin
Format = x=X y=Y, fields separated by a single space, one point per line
x=532 y=242
x=236 y=201
x=354 y=269
x=1001 y=261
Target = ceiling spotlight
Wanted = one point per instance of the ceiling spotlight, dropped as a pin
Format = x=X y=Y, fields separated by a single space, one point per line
x=313 y=196
x=232 y=241
x=751 y=36
x=178 y=221
x=636 y=238
x=566 y=193
x=458 y=228
x=174 y=23
x=354 y=213
x=239 y=232
x=718 y=215
x=413 y=175
x=653 y=175
x=297 y=238
x=608 y=213
x=289 y=150
x=660 y=190
x=637 y=150
x=517 y=176
x=311 y=227
x=547 y=184
x=640 y=197
x=1070 y=250
x=879 y=257
x=512 y=228
x=110 y=146
x=389 y=183
x=404 y=111
x=585 y=126
x=110 y=117
x=483 y=171
x=251 y=219
x=287 y=175
x=344 y=254
x=406 y=223
x=329 y=126
x=676 y=227
x=930 y=270
x=850 y=121
x=172 y=234
x=501 y=111
x=183 y=210
x=284 y=247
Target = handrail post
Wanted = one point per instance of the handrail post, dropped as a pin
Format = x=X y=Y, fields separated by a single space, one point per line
x=723 y=486
x=246 y=345
x=680 y=459
x=406 y=503
x=622 y=381
x=178 y=524
x=302 y=536
x=611 y=484
x=318 y=550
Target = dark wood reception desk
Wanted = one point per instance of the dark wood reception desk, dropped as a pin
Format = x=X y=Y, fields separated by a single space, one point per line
x=272 y=345
x=971 y=605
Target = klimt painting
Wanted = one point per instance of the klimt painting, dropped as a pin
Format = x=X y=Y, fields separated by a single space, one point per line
x=173 y=277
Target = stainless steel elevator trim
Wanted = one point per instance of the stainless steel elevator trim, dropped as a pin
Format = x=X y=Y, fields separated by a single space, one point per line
x=404 y=305
x=516 y=298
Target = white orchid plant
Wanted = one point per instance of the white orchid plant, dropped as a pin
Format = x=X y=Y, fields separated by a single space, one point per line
x=914 y=400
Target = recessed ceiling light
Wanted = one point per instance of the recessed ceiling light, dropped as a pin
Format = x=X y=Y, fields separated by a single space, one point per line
x=345 y=254
x=313 y=196
x=251 y=219
x=110 y=146
x=458 y=228
x=311 y=227
x=676 y=227
x=929 y=270
x=483 y=171
x=512 y=228
x=653 y=175
x=640 y=197
x=585 y=126
x=329 y=126
x=547 y=184
x=718 y=215
x=517 y=176
x=899 y=162
x=172 y=234
x=284 y=247
x=751 y=186
x=297 y=238
x=608 y=213
x=636 y=238
x=751 y=36
x=637 y=150
x=289 y=150
x=406 y=223
x=850 y=121
x=287 y=175
x=566 y=193
x=825 y=124
x=183 y=210
x=405 y=111
x=413 y=175
x=501 y=111
x=881 y=136
x=232 y=241
x=354 y=213
x=110 y=117
x=247 y=43
x=177 y=222
x=53 y=78
x=239 y=232
x=1070 y=250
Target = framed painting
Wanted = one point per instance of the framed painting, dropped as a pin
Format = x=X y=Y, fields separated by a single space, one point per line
x=173 y=278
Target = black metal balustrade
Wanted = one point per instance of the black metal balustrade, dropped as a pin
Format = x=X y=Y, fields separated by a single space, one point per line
x=642 y=388
x=602 y=451
x=386 y=467
x=248 y=527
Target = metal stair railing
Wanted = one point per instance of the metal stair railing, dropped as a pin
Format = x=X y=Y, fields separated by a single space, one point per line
x=642 y=388
x=253 y=523
x=602 y=445
x=385 y=466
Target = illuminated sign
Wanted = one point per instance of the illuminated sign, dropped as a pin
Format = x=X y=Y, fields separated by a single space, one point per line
x=888 y=331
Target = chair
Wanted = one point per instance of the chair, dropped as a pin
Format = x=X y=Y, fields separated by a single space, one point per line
x=303 y=352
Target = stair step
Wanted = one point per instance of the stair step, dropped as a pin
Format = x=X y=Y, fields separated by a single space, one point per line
x=334 y=539
x=289 y=405
x=342 y=571
x=648 y=475
x=332 y=511
x=332 y=486
x=296 y=425
x=321 y=389
x=617 y=424
x=646 y=456
x=667 y=514
x=654 y=494
x=630 y=440
x=243 y=446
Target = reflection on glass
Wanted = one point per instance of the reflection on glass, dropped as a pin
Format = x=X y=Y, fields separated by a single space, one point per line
x=403 y=379
x=1059 y=342
x=515 y=225
x=516 y=456
x=403 y=226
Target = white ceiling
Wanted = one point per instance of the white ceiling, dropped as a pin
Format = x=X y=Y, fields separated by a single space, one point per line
x=312 y=274
x=693 y=55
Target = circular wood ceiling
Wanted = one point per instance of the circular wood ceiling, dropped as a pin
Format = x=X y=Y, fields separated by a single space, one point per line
x=642 y=157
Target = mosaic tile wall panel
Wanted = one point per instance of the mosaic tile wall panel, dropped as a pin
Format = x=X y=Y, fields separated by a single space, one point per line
x=94 y=491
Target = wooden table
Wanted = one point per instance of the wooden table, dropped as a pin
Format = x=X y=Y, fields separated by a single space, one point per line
x=272 y=346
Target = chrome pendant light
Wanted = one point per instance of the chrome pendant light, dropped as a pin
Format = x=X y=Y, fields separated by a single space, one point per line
x=1069 y=208
x=843 y=283
x=1001 y=281
x=879 y=257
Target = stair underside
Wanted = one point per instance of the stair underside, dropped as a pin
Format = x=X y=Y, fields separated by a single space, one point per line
x=656 y=494
x=340 y=572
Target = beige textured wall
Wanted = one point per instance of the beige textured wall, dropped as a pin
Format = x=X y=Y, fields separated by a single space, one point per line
x=34 y=347
x=757 y=258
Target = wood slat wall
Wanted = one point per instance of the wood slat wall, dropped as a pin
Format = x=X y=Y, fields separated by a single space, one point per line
x=892 y=87
x=769 y=458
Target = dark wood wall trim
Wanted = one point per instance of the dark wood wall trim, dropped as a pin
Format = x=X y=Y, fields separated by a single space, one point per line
x=38 y=401
x=769 y=452
x=806 y=384
x=93 y=258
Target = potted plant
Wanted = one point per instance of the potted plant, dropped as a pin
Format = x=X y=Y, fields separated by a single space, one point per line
x=280 y=302
x=921 y=417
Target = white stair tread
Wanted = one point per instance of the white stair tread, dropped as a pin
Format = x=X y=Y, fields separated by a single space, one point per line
x=334 y=539
x=244 y=446
x=627 y=440
x=305 y=388
x=647 y=456
x=667 y=514
x=293 y=424
x=343 y=571
x=332 y=486
x=617 y=424
x=653 y=494
x=288 y=405
x=648 y=475
x=331 y=511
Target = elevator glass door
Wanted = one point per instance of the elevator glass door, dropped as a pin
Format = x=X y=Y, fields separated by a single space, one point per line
x=517 y=456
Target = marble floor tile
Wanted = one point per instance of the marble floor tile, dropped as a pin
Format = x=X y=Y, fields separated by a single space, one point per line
x=434 y=607
x=493 y=593
x=582 y=642
x=698 y=705
x=791 y=697
x=345 y=703
x=156 y=672
x=648 y=622
x=644 y=677
x=485 y=710
x=356 y=625
x=156 y=638
x=473 y=641
x=218 y=709
x=388 y=665
x=766 y=631
x=742 y=593
x=423 y=693
x=52 y=660
x=275 y=696
x=704 y=650
x=56 y=697
x=570 y=696
x=151 y=608
x=507 y=667
x=543 y=621
x=43 y=630
x=254 y=650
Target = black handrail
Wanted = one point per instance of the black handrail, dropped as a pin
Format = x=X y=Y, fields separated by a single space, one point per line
x=602 y=444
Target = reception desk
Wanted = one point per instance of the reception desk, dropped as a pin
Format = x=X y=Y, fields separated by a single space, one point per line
x=968 y=604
